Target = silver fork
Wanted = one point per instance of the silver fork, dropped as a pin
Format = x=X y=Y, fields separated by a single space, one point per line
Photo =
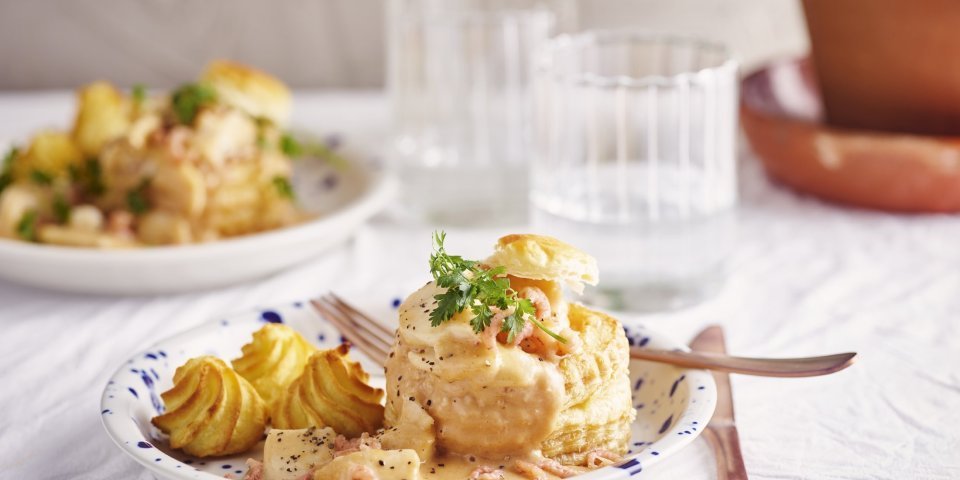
x=362 y=331
x=375 y=340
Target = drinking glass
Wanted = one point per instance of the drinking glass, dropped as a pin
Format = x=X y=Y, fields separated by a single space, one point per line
x=635 y=161
x=459 y=79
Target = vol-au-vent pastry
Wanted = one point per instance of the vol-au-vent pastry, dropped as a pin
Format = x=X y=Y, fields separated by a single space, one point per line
x=332 y=391
x=211 y=410
x=274 y=358
x=558 y=382
x=599 y=408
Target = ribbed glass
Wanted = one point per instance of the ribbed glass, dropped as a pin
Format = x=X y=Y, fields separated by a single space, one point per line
x=634 y=158
x=459 y=78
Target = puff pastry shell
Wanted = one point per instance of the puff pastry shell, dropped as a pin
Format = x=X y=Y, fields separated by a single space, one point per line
x=544 y=258
x=598 y=410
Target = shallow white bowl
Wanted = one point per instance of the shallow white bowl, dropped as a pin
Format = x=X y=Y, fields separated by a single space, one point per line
x=341 y=198
x=673 y=404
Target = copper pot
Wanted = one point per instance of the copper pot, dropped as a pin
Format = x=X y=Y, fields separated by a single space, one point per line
x=889 y=65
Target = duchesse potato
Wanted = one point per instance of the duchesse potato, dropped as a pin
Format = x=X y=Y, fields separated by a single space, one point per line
x=211 y=410
x=103 y=114
x=274 y=358
x=332 y=391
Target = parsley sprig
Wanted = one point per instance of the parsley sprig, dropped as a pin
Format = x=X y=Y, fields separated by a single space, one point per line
x=472 y=285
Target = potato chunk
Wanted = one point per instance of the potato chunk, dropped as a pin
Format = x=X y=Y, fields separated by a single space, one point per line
x=383 y=464
x=103 y=114
x=50 y=154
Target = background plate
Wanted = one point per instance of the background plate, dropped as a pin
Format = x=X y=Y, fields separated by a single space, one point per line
x=343 y=198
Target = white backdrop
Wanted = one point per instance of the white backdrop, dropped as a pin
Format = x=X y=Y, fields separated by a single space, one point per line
x=309 y=43
x=807 y=278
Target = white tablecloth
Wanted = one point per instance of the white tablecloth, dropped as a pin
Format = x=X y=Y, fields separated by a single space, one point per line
x=807 y=278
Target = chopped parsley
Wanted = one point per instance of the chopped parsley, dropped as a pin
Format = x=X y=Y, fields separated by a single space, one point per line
x=294 y=149
x=6 y=172
x=27 y=227
x=138 y=93
x=61 y=208
x=290 y=146
x=40 y=177
x=89 y=177
x=472 y=285
x=282 y=184
x=137 y=200
x=187 y=101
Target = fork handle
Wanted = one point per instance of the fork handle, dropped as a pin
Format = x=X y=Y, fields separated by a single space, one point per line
x=725 y=443
x=765 y=367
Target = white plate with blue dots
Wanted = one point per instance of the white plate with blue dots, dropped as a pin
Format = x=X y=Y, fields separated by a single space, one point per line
x=673 y=404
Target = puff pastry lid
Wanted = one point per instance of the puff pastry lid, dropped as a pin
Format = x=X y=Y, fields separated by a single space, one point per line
x=255 y=92
x=211 y=410
x=541 y=257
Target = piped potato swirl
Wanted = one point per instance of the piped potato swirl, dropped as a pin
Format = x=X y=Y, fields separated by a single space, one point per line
x=332 y=391
x=211 y=410
x=274 y=358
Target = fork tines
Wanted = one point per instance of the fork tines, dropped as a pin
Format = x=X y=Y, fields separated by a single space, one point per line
x=370 y=337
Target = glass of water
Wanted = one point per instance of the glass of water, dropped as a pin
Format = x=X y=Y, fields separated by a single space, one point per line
x=635 y=161
x=459 y=79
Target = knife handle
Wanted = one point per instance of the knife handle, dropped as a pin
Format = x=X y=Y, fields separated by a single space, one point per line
x=727 y=449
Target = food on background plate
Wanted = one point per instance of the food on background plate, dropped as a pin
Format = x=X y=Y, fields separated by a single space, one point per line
x=493 y=375
x=209 y=160
x=211 y=410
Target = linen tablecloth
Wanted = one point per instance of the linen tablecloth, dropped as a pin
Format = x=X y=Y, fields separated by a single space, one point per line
x=807 y=278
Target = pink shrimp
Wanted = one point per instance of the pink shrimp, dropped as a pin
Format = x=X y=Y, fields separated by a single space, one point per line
x=120 y=223
x=539 y=300
x=361 y=472
x=600 y=458
x=529 y=470
x=486 y=473
x=342 y=446
x=492 y=334
x=556 y=468
x=254 y=470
